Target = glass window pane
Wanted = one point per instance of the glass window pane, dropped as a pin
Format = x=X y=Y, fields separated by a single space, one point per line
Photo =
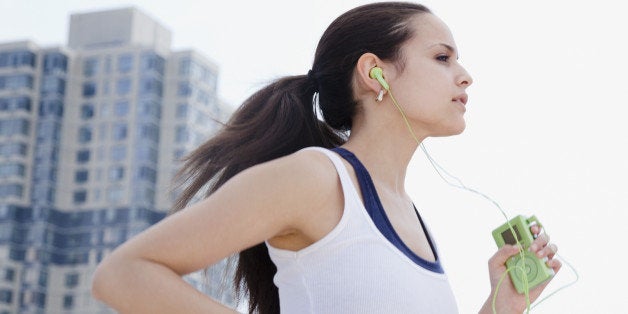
x=121 y=108
x=116 y=174
x=119 y=131
x=125 y=63
x=90 y=67
x=85 y=134
x=81 y=176
x=89 y=89
x=80 y=196
x=118 y=153
x=87 y=111
x=82 y=156
x=123 y=86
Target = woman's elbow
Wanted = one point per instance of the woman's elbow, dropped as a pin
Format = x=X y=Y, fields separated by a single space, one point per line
x=104 y=279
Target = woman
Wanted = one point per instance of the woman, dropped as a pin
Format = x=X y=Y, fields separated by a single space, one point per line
x=335 y=230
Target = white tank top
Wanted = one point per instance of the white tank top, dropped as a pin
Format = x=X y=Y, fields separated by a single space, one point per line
x=355 y=269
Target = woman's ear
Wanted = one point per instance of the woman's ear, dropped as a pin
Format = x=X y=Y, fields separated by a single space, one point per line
x=365 y=83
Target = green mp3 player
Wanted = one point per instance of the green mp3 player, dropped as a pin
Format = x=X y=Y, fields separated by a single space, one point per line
x=536 y=270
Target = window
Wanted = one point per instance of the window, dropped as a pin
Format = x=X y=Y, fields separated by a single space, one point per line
x=55 y=63
x=110 y=215
x=107 y=64
x=11 y=169
x=149 y=131
x=202 y=97
x=184 y=67
x=82 y=156
x=44 y=173
x=85 y=134
x=100 y=153
x=12 y=149
x=146 y=153
x=184 y=89
x=119 y=131
x=18 y=255
x=209 y=78
x=150 y=61
x=151 y=86
x=178 y=154
x=14 y=126
x=143 y=195
x=150 y=108
x=46 y=151
x=105 y=88
x=43 y=194
x=7 y=190
x=90 y=67
x=68 y=302
x=201 y=118
x=182 y=134
x=9 y=274
x=6 y=296
x=104 y=109
x=147 y=174
x=51 y=85
x=87 y=111
x=15 y=104
x=114 y=194
x=125 y=63
x=49 y=130
x=123 y=86
x=102 y=131
x=96 y=195
x=71 y=280
x=182 y=110
x=51 y=108
x=116 y=174
x=80 y=196
x=121 y=108
x=118 y=153
x=81 y=176
x=16 y=81
x=89 y=89
x=17 y=58
x=43 y=278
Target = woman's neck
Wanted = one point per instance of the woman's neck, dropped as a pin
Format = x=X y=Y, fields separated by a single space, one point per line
x=385 y=153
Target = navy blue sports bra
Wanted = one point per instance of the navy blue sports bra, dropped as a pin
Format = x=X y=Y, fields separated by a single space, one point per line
x=378 y=215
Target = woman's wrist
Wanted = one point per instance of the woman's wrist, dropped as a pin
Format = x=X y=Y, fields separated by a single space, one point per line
x=500 y=307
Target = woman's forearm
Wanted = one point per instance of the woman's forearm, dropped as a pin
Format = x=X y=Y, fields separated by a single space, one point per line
x=140 y=286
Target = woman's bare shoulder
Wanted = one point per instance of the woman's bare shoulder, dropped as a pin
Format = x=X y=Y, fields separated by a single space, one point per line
x=310 y=167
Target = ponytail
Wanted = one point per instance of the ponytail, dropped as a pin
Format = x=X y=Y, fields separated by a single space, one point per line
x=276 y=121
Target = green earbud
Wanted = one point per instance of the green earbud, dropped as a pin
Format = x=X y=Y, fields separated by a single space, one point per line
x=378 y=74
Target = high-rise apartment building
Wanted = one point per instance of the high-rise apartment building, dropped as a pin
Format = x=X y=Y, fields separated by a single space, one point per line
x=90 y=135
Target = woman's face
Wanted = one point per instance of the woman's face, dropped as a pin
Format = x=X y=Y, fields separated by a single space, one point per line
x=431 y=85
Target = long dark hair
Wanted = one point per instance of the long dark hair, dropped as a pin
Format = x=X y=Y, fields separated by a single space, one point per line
x=282 y=118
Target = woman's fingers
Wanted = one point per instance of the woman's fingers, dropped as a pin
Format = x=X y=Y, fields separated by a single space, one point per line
x=542 y=247
x=501 y=256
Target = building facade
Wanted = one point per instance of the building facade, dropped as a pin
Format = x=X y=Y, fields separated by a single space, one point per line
x=90 y=137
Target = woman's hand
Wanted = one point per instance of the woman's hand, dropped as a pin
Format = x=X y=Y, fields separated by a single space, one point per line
x=508 y=299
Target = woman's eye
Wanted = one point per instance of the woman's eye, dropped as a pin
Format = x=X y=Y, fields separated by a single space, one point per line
x=443 y=58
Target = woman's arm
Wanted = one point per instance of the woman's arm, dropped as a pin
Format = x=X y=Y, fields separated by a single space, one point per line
x=144 y=274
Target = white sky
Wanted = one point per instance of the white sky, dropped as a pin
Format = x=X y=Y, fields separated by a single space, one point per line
x=546 y=132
